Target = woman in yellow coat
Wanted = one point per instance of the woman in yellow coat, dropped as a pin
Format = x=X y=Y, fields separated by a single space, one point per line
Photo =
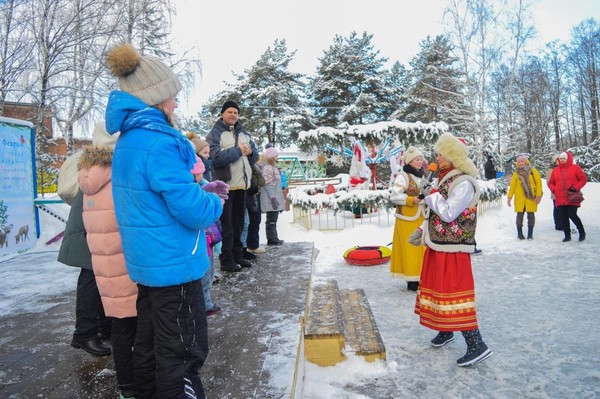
x=526 y=187
x=407 y=260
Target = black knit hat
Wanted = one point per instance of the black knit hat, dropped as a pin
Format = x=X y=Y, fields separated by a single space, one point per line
x=229 y=104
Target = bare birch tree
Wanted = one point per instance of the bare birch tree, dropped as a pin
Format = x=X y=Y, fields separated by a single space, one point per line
x=585 y=58
x=15 y=49
x=470 y=24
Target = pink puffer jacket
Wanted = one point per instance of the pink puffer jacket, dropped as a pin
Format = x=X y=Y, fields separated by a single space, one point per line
x=118 y=292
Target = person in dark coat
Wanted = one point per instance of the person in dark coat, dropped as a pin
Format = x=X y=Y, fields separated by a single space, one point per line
x=556 y=213
x=490 y=169
x=250 y=236
x=232 y=149
x=90 y=320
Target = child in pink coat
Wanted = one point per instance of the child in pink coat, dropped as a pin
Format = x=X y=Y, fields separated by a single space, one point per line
x=118 y=292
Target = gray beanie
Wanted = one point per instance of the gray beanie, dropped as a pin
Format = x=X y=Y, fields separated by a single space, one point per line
x=145 y=77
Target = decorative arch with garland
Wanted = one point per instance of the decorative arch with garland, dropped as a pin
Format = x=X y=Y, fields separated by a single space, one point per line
x=380 y=141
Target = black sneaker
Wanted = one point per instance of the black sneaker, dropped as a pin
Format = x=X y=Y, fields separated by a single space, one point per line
x=278 y=242
x=443 y=338
x=243 y=262
x=581 y=237
x=478 y=355
x=248 y=255
x=566 y=239
x=232 y=268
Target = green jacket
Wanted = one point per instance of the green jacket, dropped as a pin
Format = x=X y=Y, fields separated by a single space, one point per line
x=74 y=250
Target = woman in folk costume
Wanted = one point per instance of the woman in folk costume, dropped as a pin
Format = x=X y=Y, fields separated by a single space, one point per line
x=568 y=176
x=446 y=296
x=407 y=260
x=526 y=187
x=118 y=292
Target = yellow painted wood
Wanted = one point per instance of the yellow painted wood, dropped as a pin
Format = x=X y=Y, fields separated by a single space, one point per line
x=324 y=350
x=339 y=322
x=360 y=329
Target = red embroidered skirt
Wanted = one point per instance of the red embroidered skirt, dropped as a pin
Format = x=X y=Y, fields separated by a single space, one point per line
x=446 y=296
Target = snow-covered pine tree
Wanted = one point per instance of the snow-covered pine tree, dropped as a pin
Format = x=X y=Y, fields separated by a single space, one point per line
x=398 y=82
x=270 y=97
x=437 y=87
x=348 y=86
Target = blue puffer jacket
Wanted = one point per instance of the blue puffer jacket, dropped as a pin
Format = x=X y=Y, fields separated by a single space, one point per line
x=161 y=211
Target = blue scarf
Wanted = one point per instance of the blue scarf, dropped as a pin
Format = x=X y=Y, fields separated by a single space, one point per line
x=154 y=119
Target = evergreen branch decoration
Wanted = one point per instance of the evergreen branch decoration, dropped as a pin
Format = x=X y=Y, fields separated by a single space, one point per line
x=314 y=197
x=417 y=132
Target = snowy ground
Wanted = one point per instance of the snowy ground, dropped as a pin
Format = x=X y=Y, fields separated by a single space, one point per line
x=537 y=305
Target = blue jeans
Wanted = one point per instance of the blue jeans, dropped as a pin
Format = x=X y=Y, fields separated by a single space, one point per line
x=207 y=281
x=244 y=236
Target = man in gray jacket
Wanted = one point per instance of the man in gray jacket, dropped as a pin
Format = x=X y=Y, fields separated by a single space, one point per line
x=233 y=153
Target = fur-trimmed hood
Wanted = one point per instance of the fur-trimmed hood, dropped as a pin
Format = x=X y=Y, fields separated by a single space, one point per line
x=95 y=169
x=569 y=160
x=95 y=156
x=456 y=152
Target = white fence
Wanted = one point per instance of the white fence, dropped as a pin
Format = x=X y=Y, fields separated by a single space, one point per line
x=328 y=219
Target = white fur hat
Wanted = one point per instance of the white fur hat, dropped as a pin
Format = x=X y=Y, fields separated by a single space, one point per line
x=101 y=138
x=455 y=151
x=411 y=153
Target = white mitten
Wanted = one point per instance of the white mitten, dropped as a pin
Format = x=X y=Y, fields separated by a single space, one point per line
x=416 y=237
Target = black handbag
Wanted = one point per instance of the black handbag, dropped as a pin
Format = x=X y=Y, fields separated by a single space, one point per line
x=222 y=173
